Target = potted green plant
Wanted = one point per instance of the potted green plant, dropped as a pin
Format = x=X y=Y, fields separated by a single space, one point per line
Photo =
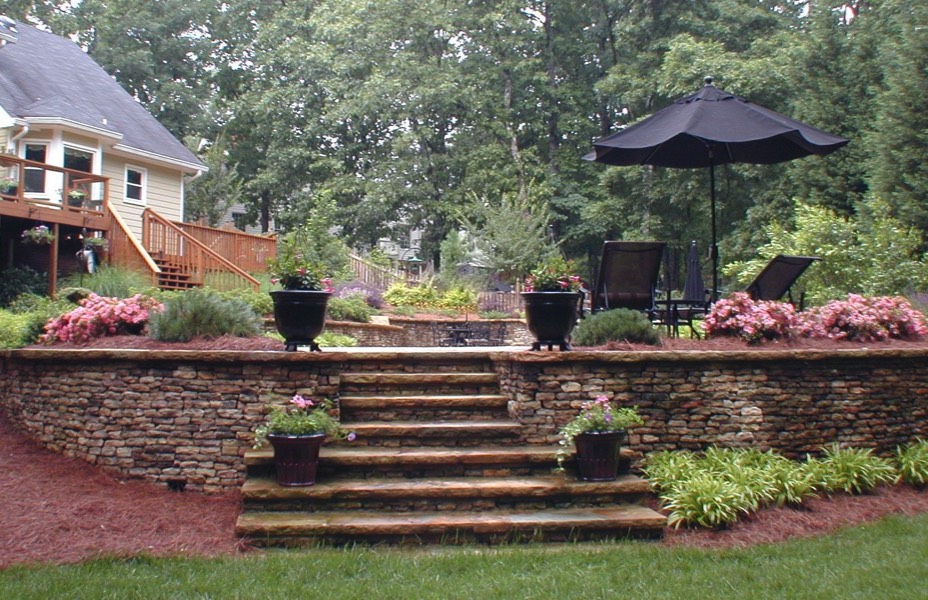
x=597 y=433
x=296 y=432
x=299 y=308
x=76 y=198
x=8 y=186
x=40 y=234
x=552 y=298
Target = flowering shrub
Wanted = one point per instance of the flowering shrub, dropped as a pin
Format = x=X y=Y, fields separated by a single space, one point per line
x=596 y=415
x=99 y=316
x=863 y=319
x=556 y=275
x=371 y=295
x=40 y=234
x=753 y=320
x=304 y=416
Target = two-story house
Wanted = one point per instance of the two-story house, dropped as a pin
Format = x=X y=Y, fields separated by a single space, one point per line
x=80 y=155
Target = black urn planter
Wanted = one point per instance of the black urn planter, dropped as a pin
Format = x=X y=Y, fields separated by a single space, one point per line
x=296 y=458
x=598 y=454
x=300 y=316
x=551 y=316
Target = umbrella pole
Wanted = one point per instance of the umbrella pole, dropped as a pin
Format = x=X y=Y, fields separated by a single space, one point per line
x=714 y=249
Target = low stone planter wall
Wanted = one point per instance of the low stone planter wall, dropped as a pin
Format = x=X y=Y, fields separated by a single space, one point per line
x=183 y=415
x=417 y=333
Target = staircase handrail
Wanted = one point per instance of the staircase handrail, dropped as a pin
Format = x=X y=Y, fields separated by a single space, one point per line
x=149 y=215
x=368 y=272
x=135 y=255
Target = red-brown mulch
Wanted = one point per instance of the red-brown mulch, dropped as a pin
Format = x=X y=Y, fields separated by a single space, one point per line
x=59 y=509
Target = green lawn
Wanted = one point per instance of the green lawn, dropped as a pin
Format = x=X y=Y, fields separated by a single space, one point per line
x=888 y=559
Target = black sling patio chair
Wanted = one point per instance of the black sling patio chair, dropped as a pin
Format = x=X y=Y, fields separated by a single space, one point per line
x=628 y=276
x=778 y=277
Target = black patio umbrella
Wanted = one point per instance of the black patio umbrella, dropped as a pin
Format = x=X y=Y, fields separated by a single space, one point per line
x=694 y=289
x=708 y=128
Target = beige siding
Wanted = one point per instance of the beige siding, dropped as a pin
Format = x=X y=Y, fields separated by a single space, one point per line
x=4 y=138
x=162 y=191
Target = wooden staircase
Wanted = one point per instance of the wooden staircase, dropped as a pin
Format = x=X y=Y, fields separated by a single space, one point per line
x=437 y=460
x=173 y=276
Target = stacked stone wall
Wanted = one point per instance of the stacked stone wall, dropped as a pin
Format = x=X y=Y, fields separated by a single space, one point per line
x=190 y=416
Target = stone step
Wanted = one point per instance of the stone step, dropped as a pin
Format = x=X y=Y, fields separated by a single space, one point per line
x=445 y=493
x=433 y=461
x=424 y=433
x=500 y=526
x=389 y=383
x=423 y=407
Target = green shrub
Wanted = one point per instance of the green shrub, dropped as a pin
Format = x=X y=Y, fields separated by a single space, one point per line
x=260 y=302
x=352 y=308
x=422 y=296
x=16 y=281
x=855 y=470
x=459 y=298
x=619 y=325
x=912 y=461
x=330 y=340
x=14 y=329
x=109 y=281
x=39 y=310
x=665 y=468
x=203 y=313
x=492 y=315
x=704 y=500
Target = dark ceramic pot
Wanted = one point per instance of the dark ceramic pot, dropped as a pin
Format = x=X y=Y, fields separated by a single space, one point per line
x=296 y=458
x=598 y=454
x=551 y=316
x=300 y=316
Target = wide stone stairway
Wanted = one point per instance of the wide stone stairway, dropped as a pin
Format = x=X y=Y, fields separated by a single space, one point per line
x=437 y=460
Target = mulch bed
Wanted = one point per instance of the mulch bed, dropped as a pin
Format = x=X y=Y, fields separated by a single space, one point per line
x=59 y=509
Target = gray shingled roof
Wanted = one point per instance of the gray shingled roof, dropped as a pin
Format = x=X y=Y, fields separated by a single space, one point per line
x=44 y=75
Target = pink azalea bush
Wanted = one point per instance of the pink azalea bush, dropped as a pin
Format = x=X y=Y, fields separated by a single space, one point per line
x=864 y=319
x=99 y=316
x=752 y=320
x=858 y=318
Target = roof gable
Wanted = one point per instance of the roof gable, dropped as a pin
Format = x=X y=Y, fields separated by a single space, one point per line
x=44 y=77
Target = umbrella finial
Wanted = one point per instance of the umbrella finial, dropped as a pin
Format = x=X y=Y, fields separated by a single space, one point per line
x=708 y=79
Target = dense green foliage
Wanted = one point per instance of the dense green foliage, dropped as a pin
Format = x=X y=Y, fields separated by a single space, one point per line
x=881 y=560
x=720 y=486
x=20 y=280
x=352 y=308
x=202 y=313
x=619 y=325
x=436 y=115
x=14 y=329
x=109 y=281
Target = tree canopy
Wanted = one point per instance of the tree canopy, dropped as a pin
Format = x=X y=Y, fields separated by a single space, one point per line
x=401 y=113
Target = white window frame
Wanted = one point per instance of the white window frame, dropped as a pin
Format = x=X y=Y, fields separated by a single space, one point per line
x=143 y=201
x=48 y=155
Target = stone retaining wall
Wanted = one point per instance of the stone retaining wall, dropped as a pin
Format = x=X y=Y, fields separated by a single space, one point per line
x=189 y=416
x=416 y=333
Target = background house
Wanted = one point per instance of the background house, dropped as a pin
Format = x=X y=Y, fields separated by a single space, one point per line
x=79 y=155
x=58 y=107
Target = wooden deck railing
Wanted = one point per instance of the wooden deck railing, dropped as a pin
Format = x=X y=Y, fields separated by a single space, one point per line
x=167 y=242
x=371 y=274
x=42 y=192
x=249 y=252
x=126 y=251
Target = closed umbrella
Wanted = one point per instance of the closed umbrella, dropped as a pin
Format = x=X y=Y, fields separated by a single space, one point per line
x=694 y=290
x=708 y=128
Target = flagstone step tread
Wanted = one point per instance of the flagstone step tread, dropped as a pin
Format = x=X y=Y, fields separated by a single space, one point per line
x=424 y=401
x=369 y=456
x=451 y=377
x=425 y=429
x=282 y=525
x=266 y=488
